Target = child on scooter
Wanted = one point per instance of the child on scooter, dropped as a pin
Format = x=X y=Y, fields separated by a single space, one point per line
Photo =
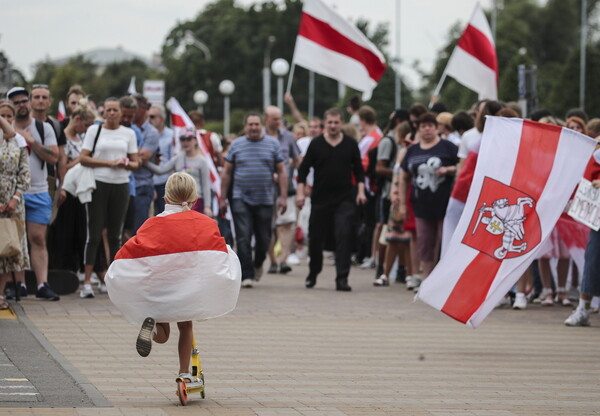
x=177 y=268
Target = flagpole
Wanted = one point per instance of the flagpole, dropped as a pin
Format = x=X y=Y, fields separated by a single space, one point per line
x=290 y=78
x=583 y=41
x=437 y=90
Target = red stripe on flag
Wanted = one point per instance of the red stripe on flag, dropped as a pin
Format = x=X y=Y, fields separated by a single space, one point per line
x=323 y=34
x=475 y=43
x=177 y=120
x=472 y=288
x=176 y=233
x=537 y=148
x=535 y=159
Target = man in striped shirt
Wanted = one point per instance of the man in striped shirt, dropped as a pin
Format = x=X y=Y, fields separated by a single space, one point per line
x=251 y=163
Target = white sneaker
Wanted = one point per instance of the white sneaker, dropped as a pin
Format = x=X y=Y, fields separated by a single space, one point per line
x=247 y=283
x=87 y=292
x=579 y=317
x=292 y=260
x=505 y=301
x=413 y=281
x=81 y=276
x=520 y=301
x=95 y=279
x=102 y=288
x=368 y=263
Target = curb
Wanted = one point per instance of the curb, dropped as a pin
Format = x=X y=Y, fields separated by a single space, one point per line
x=88 y=388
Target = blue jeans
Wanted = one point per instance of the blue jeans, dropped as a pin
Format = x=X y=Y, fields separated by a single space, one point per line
x=159 y=202
x=143 y=199
x=251 y=220
x=590 y=282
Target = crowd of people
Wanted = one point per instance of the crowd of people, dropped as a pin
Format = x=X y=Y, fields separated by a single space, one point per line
x=387 y=200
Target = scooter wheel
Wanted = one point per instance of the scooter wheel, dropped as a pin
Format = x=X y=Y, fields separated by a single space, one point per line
x=182 y=392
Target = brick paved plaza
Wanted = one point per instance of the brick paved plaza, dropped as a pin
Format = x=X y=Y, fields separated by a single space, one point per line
x=290 y=351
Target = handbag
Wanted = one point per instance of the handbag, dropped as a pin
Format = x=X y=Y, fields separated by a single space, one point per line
x=10 y=240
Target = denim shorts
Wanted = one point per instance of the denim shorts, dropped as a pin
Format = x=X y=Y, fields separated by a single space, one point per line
x=38 y=208
x=590 y=282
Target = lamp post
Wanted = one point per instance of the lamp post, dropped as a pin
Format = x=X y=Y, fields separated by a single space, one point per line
x=280 y=68
x=200 y=98
x=266 y=72
x=226 y=87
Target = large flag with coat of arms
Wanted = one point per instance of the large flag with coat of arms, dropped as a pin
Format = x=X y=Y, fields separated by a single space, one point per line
x=524 y=177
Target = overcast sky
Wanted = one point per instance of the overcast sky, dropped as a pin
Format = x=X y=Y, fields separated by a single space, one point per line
x=33 y=30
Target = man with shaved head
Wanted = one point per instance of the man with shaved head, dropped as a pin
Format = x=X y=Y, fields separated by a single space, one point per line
x=285 y=224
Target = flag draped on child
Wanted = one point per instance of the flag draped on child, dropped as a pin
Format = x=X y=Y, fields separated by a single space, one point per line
x=473 y=62
x=330 y=45
x=176 y=268
x=180 y=120
x=525 y=174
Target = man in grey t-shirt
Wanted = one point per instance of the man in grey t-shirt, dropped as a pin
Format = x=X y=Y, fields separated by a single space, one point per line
x=38 y=204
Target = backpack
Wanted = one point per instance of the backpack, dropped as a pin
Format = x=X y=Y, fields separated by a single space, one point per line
x=56 y=126
x=376 y=181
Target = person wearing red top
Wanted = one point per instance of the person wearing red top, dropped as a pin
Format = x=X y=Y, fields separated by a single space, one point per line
x=590 y=282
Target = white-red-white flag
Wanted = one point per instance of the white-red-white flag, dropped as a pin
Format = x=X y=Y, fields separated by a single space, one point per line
x=62 y=112
x=473 y=62
x=180 y=120
x=524 y=177
x=330 y=45
x=131 y=88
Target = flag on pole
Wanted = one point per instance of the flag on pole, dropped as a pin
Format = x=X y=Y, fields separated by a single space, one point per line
x=131 y=89
x=180 y=120
x=524 y=177
x=62 y=113
x=473 y=62
x=330 y=45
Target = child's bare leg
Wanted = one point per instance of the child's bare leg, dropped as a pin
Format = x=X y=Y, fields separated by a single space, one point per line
x=162 y=332
x=185 y=345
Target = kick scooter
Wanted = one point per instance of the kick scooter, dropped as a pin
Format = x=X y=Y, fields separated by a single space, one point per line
x=185 y=388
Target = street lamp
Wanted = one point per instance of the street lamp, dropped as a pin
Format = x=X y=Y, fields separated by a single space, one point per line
x=226 y=87
x=200 y=98
x=266 y=72
x=280 y=68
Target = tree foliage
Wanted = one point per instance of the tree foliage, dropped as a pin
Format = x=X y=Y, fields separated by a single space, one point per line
x=545 y=34
x=237 y=38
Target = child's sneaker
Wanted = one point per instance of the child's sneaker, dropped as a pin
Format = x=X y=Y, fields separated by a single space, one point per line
x=143 y=345
x=86 y=292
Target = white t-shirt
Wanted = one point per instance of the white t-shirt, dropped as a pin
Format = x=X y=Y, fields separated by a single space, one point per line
x=469 y=138
x=111 y=145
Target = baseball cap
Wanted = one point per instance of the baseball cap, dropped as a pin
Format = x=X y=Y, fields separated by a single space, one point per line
x=16 y=91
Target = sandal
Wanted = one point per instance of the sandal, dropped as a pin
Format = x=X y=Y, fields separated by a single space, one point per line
x=3 y=304
x=548 y=300
x=561 y=297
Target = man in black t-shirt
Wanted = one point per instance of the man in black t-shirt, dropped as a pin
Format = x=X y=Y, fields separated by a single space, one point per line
x=335 y=158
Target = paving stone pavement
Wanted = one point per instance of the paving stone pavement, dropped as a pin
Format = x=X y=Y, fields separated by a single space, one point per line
x=287 y=350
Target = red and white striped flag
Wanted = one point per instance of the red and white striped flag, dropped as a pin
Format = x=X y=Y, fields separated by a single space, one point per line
x=176 y=268
x=180 y=120
x=330 y=45
x=473 y=62
x=61 y=113
x=525 y=175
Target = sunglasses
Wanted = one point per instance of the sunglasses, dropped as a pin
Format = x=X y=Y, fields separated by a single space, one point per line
x=21 y=102
x=39 y=86
x=186 y=139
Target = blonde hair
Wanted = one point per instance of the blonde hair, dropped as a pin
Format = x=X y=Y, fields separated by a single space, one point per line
x=83 y=110
x=181 y=189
